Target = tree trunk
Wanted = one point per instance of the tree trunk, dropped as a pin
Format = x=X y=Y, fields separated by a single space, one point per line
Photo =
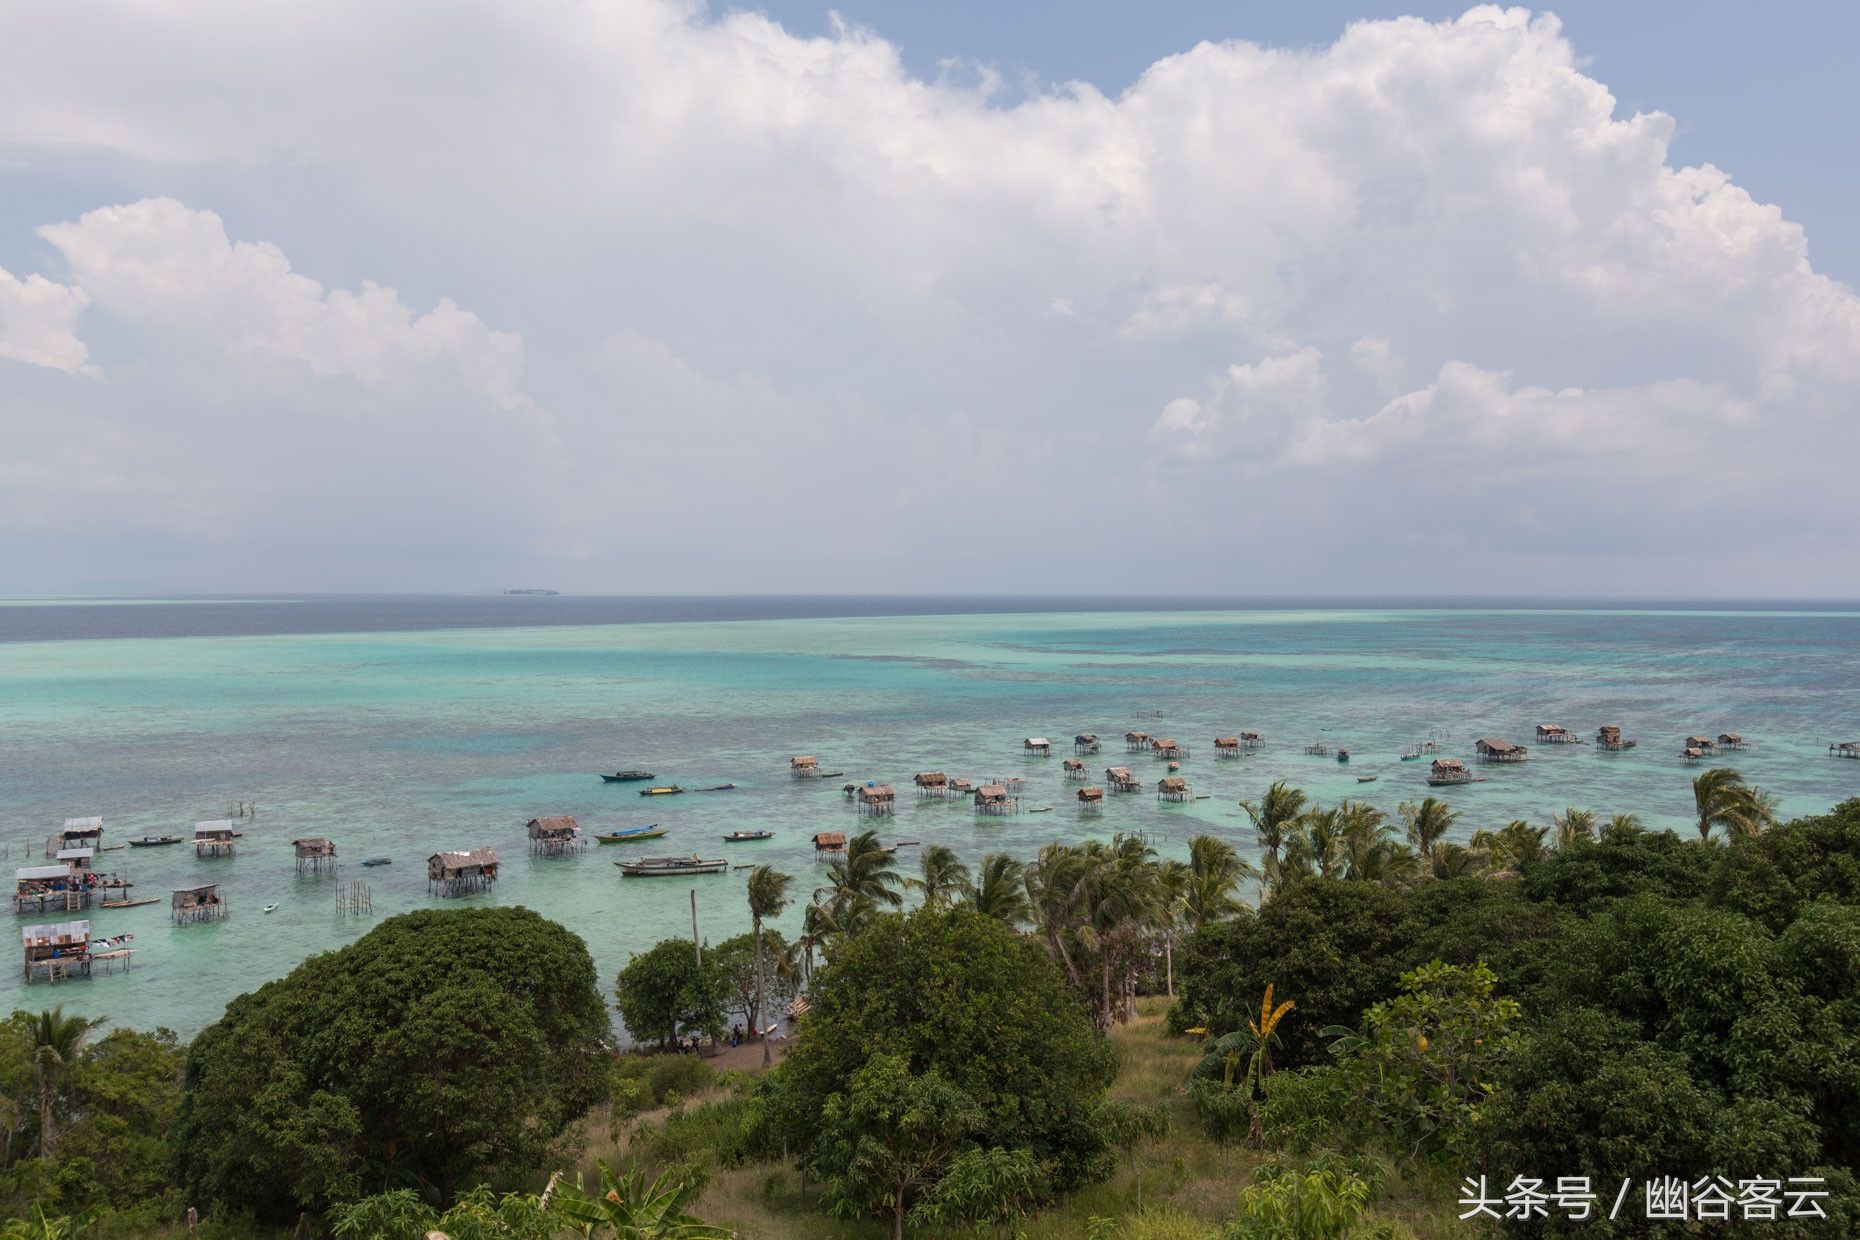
x=48 y=1122
x=1107 y=1013
x=897 y=1217
x=756 y=1023
x=1169 y=962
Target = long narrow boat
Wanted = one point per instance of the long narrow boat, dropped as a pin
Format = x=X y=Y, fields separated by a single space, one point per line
x=716 y=788
x=627 y=835
x=374 y=861
x=661 y=790
x=626 y=777
x=154 y=841
x=665 y=867
x=744 y=837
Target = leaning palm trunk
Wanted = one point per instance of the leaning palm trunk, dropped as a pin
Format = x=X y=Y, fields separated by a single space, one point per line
x=48 y=1118
x=761 y=987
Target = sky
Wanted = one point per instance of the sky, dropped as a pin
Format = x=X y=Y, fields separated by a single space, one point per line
x=643 y=297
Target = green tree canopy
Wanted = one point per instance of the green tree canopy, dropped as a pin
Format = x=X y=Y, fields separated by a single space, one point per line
x=664 y=992
x=441 y=1048
x=952 y=1012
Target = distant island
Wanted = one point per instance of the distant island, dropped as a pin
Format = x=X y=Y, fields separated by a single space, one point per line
x=532 y=592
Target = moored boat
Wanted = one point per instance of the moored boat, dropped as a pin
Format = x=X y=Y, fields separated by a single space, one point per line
x=650 y=831
x=1343 y=755
x=742 y=837
x=1365 y=779
x=656 y=867
x=379 y=861
x=715 y=788
x=626 y=777
x=154 y=841
x=661 y=790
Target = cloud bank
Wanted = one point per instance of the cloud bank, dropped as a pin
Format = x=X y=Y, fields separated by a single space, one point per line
x=1415 y=312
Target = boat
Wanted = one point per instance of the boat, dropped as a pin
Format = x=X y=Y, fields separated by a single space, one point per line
x=624 y=835
x=656 y=867
x=379 y=861
x=626 y=777
x=715 y=788
x=1343 y=755
x=1041 y=809
x=743 y=837
x=661 y=790
x=271 y=908
x=1365 y=779
x=130 y=903
x=154 y=841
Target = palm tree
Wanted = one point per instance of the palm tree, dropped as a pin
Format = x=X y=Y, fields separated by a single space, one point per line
x=768 y=896
x=1371 y=851
x=1453 y=861
x=1001 y=891
x=1519 y=844
x=1573 y=826
x=816 y=928
x=1427 y=823
x=1215 y=872
x=1272 y=816
x=57 y=1041
x=1723 y=799
x=861 y=882
x=945 y=879
x=1623 y=827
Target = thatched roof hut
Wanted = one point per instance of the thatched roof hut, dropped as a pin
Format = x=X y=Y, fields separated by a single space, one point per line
x=994 y=799
x=1731 y=740
x=962 y=787
x=461 y=871
x=1073 y=767
x=1173 y=788
x=829 y=842
x=1608 y=736
x=557 y=833
x=1449 y=771
x=804 y=766
x=877 y=799
x=191 y=904
x=1037 y=745
x=1554 y=734
x=1120 y=779
x=1085 y=742
x=1699 y=742
x=1136 y=741
x=1493 y=749
x=1169 y=747
x=930 y=779
x=1091 y=795
x=1227 y=746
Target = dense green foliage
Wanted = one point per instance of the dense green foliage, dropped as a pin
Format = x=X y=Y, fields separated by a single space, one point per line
x=933 y=1035
x=1661 y=1006
x=664 y=993
x=113 y=1104
x=440 y=1049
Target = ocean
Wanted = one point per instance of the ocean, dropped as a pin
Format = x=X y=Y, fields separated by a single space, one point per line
x=401 y=726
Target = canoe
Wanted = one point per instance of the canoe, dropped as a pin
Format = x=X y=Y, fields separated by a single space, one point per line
x=630 y=834
x=715 y=788
x=743 y=837
x=150 y=841
x=662 y=790
x=1343 y=755
x=626 y=777
x=379 y=861
x=1365 y=779
x=659 y=867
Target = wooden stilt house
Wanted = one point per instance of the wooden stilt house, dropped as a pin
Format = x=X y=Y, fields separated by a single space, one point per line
x=1085 y=742
x=190 y=905
x=877 y=800
x=215 y=839
x=1173 y=788
x=555 y=835
x=1119 y=779
x=461 y=872
x=56 y=951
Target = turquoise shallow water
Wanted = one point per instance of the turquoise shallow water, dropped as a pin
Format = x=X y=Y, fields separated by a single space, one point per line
x=400 y=743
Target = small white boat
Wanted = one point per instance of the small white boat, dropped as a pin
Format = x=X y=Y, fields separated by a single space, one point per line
x=271 y=908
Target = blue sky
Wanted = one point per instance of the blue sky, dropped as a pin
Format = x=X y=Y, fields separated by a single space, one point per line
x=635 y=296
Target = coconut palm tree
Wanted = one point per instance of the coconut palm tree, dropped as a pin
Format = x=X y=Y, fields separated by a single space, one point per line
x=816 y=928
x=768 y=896
x=1372 y=852
x=1427 y=822
x=57 y=1041
x=1273 y=815
x=1623 y=827
x=1000 y=890
x=861 y=883
x=1454 y=861
x=945 y=879
x=1210 y=892
x=1509 y=850
x=1723 y=799
x=1573 y=826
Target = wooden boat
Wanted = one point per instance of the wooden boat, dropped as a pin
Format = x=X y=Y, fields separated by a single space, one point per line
x=743 y=837
x=662 y=867
x=1343 y=755
x=1041 y=809
x=715 y=788
x=379 y=861
x=1365 y=779
x=626 y=777
x=129 y=903
x=661 y=790
x=627 y=835
x=154 y=841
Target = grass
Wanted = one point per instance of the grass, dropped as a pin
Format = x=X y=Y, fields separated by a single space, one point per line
x=1188 y=1183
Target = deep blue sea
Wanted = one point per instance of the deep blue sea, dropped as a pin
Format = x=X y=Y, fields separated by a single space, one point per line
x=398 y=726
